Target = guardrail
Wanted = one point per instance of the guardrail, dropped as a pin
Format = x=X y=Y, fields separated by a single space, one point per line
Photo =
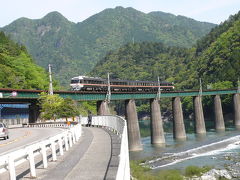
x=119 y=126
x=64 y=140
x=50 y=124
x=16 y=121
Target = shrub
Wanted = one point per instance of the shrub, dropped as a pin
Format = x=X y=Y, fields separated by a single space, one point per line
x=196 y=171
x=193 y=171
x=143 y=173
x=169 y=175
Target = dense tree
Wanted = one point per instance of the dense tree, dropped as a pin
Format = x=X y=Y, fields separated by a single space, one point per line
x=18 y=69
x=68 y=109
x=54 y=106
x=74 y=49
x=208 y=39
x=215 y=61
x=50 y=106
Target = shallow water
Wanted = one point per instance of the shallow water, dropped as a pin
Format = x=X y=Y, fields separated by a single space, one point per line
x=195 y=146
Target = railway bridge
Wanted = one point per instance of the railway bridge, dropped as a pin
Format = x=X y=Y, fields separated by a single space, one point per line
x=157 y=133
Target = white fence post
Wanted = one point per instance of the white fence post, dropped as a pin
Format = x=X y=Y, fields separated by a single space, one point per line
x=31 y=164
x=54 y=155
x=73 y=137
x=70 y=139
x=11 y=168
x=10 y=160
x=66 y=141
x=44 y=155
x=60 y=145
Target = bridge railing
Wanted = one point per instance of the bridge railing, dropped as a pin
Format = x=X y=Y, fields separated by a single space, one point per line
x=63 y=140
x=50 y=124
x=118 y=125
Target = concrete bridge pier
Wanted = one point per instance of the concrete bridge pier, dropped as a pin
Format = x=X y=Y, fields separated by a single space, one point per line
x=157 y=133
x=219 y=120
x=102 y=108
x=134 y=138
x=199 y=117
x=178 y=123
x=236 y=101
x=34 y=112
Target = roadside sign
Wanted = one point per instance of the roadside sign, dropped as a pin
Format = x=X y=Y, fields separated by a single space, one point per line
x=14 y=94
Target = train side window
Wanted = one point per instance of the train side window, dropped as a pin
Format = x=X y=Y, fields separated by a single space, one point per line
x=74 y=81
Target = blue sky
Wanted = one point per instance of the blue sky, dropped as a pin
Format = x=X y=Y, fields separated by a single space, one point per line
x=214 y=11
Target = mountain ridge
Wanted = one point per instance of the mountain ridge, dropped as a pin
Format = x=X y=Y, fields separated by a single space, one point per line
x=75 y=48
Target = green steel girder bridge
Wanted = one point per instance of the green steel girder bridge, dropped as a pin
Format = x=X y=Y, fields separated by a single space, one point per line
x=23 y=96
x=18 y=96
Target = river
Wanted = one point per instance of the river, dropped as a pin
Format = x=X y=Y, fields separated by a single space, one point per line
x=219 y=150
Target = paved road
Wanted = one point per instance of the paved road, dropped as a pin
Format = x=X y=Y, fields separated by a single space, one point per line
x=19 y=137
x=87 y=160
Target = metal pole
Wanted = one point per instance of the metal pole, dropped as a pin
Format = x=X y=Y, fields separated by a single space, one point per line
x=238 y=89
x=50 y=80
x=200 y=89
x=1 y=107
x=159 y=89
x=108 y=96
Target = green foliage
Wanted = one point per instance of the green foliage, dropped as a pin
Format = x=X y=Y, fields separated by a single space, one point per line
x=68 y=108
x=187 y=104
x=207 y=40
x=222 y=85
x=72 y=48
x=87 y=106
x=18 y=69
x=221 y=61
x=53 y=107
x=191 y=171
x=225 y=99
x=144 y=61
x=217 y=64
x=50 y=106
x=138 y=171
x=143 y=173
x=169 y=175
x=143 y=108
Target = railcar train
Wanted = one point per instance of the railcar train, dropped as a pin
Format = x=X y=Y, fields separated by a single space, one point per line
x=84 y=83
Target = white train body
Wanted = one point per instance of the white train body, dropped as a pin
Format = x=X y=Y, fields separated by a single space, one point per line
x=76 y=83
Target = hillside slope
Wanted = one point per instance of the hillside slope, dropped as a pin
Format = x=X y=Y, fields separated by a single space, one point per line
x=18 y=69
x=220 y=61
x=217 y=62
x=75 y=49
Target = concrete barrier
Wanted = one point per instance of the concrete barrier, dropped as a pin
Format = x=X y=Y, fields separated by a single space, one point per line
x=9 y=161
x=118 y=125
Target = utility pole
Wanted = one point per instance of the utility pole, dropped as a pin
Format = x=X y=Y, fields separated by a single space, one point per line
x=108 y=96
x=159 y=89
x=238 y=89
x=1 y=107
x=50 y=80
x=200 y=88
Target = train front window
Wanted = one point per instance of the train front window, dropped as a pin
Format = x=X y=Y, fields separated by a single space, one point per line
x=75 y=81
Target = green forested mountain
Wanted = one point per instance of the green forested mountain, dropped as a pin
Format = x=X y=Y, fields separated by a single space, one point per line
x=208 y=39
x=18 y=69
x=217 y=61
x=145 y=61
x=74 y=49
x=220 y=61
